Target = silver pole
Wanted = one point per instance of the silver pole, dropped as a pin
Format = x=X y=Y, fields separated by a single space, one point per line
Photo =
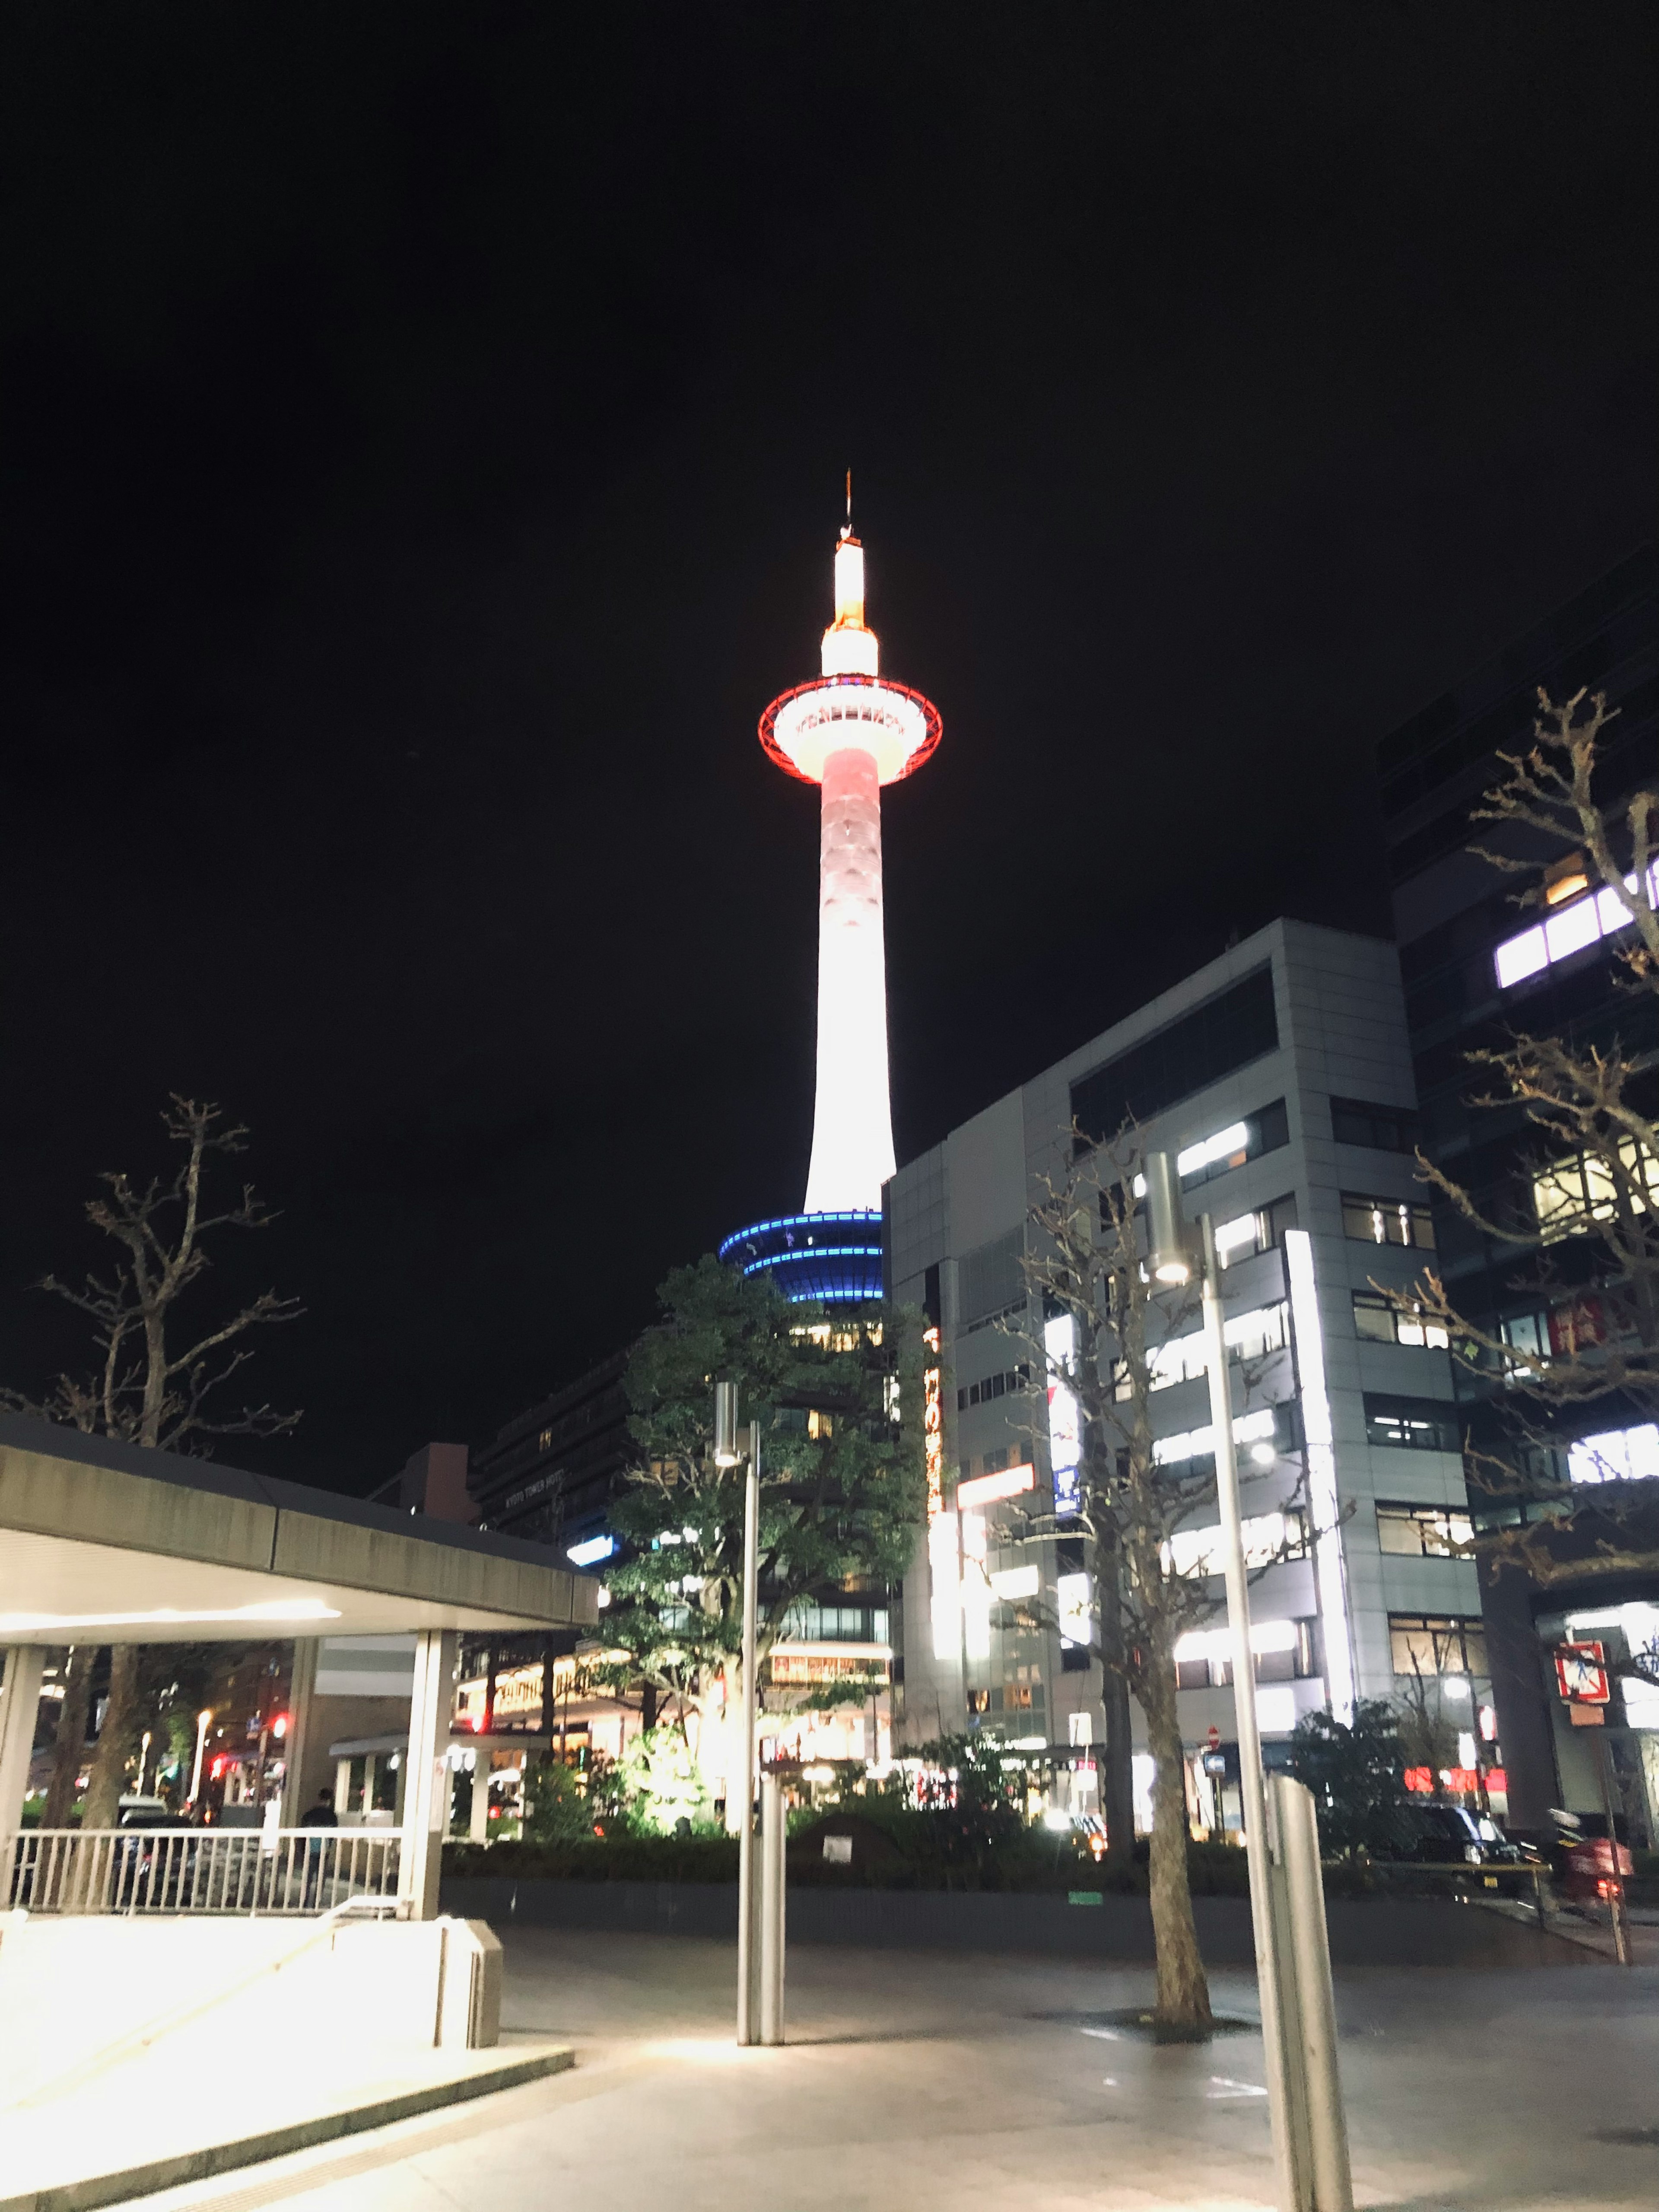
x=746 y=2008
x=772 y=1909
x=1296 y=1824
x=1292 y=2195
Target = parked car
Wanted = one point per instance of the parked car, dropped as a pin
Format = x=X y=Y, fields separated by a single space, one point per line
x=1439 y=1833
x=153 y=1860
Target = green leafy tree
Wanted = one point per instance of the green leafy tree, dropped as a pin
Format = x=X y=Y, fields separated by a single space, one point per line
x=838 y=1401
x=661 y=1783
x=1356 y=1773
x=556 y=1809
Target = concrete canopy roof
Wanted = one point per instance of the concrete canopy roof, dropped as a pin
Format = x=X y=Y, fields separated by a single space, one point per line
x=107 y=1541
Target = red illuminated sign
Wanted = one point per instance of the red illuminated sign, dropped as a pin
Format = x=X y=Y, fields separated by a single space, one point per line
x=933 y=1427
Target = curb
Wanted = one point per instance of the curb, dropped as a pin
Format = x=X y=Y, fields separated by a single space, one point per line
x=212 y=2159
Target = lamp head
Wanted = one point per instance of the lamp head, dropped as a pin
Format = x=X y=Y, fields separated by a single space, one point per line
x=726 y=1424
x=1168 y=1254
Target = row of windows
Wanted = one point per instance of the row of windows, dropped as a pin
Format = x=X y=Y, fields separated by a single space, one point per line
x=1252 y=1138
x=1573 y=1196
x=1246 y=1234
x=1412 y=1424
x=1384 y=1322
x=1249 y=1336
x=1204 y=1661
x=1387 y=1221
x=994 y=1386
x=1226 y=1032
x=1584 y=920
x=1429 y=1643
x=1384 y=1128
x=1423 y=1532
x=836 y=1624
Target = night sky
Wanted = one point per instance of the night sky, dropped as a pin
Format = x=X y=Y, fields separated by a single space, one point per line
x=421 y=451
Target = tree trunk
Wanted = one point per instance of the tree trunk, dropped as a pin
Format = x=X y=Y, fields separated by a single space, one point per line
x=1184 y=1993
x=117 y=1739
x=1116 y=1765
x=71 y=1737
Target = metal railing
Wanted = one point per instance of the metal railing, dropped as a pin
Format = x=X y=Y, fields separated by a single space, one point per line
x=251 y=1870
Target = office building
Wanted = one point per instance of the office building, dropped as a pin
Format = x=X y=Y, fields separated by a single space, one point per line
x=1477 y=970
x=1279 y=1076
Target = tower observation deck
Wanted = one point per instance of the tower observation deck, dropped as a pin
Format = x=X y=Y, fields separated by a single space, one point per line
x=849 y=731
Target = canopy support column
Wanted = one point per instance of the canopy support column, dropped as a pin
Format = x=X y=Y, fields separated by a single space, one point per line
x=426 y=1778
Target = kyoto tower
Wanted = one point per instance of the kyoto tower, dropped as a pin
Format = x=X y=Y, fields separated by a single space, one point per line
x=849 y=731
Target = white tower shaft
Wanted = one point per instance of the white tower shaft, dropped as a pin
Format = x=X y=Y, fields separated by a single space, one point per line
x=853 y=1123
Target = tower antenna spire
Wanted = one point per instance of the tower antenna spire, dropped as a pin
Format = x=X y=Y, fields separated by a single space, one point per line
x=847 y=531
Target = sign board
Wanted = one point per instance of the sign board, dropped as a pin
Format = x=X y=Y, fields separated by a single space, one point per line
x=1582 y=1671
x=1213 y=1737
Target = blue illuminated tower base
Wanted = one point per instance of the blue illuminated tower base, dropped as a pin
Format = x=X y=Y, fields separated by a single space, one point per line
x=833 y=1259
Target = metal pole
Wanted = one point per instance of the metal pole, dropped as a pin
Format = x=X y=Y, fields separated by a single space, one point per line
x=1281 y=2105
x=747 y=2024
x=1307 y=1960
x=1615 y=1884
x=772 y=1910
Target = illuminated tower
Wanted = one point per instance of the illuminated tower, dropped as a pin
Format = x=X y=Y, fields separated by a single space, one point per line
x=849 y=731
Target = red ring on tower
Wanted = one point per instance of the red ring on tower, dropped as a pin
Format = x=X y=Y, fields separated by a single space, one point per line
x=924 y=751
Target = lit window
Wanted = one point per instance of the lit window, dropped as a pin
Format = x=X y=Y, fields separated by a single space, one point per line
x=1567 y=931
x=1387 y=1221
x=1574 y=1194
x=1422 y=1532
x=1268 y=1538
x=1428 y=1644
x=1619 y=1455
x=1412 y=1424
x=1230 y=1144
x=1015 y=1581
x=1379 y=1320
x=1200 y=1443
x=1249 y=1335
x=1283 y=1652
x=1073 y=1596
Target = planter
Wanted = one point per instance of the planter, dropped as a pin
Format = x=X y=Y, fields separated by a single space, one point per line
x=1371 y=1932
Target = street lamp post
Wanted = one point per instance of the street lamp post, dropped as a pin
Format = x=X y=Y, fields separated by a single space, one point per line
x=202 y=1721
x=727 y=1454
x=1292 y=1962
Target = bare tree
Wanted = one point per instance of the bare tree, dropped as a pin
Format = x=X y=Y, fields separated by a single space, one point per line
x=146 y=1393
x=1581 y=1209
x=1085 y=1260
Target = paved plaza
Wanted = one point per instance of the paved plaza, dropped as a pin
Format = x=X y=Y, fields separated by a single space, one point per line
x=918 y=2083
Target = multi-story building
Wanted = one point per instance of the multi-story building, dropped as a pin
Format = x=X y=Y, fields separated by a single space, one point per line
x=1280 y=1077
x=1476 y=971
x=551 y=1473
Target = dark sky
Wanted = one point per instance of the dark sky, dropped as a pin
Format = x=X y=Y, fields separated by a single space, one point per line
x=421 y=449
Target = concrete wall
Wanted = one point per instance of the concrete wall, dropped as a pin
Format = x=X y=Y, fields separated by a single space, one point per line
x=1384 y=1933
